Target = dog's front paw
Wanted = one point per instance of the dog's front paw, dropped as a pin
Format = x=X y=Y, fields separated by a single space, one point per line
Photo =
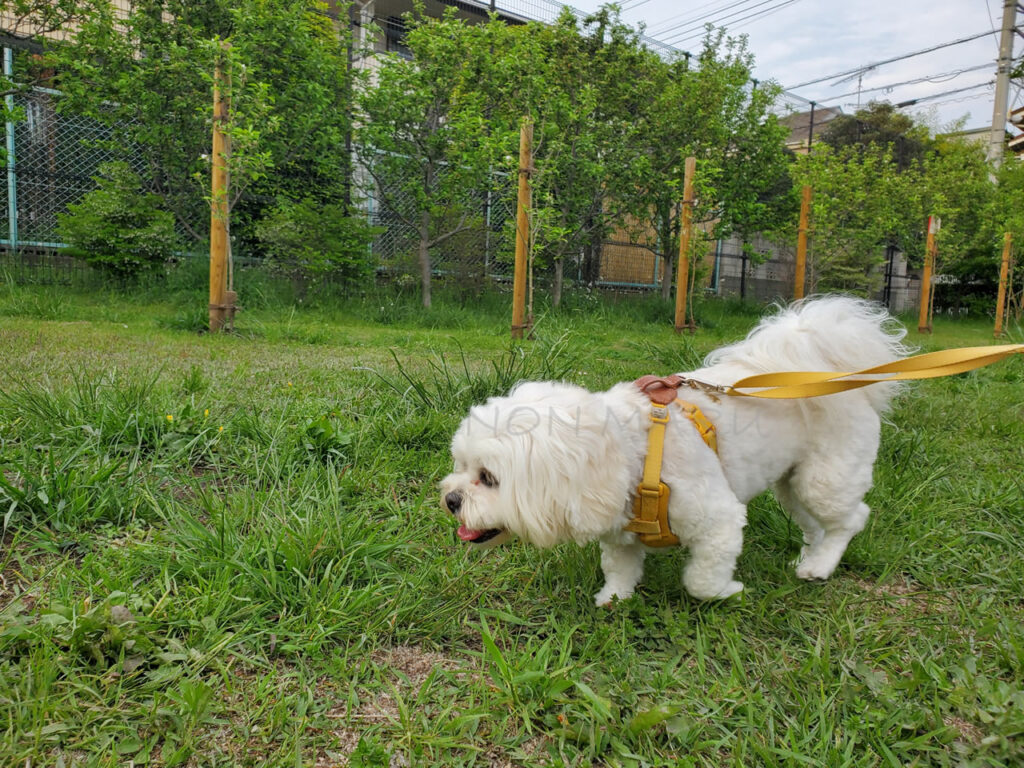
x=732 y=588
x=604 y=598
x=810 y=573
x=814 y=568
x=714 y=591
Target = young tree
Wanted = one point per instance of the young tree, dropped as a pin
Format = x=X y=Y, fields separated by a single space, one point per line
x=712 y=109
x=147 y=72
x=860 y=202
x=877 y=177
x=599 y=81
x=1007 y=214
x=424 y=136
x=957 y=186
x=880 y=124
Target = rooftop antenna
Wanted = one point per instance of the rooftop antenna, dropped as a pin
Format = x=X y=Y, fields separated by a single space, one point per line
x=859 y=75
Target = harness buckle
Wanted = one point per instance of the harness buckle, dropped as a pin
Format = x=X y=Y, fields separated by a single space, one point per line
x=650 y=505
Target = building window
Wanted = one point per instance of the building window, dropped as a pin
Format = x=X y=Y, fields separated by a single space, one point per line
x=394 y=37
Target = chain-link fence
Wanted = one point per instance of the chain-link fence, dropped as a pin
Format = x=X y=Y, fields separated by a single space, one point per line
x=51 y=159
x=735 y=272
x=470 y=238
x=54 y=157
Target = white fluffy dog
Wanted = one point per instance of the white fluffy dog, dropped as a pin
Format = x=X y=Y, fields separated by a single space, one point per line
x=553 y=462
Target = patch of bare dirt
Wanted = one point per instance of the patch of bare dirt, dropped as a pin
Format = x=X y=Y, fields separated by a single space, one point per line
x=902 y=594
x=413 y=662
x=338 y=733
x=970 y=732
x=15 y=583
x=206 y=478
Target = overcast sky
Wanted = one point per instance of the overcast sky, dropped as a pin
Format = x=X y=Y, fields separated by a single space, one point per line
x=799 y=40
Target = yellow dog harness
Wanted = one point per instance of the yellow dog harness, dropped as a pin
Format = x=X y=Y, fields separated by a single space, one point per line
x=650 y=506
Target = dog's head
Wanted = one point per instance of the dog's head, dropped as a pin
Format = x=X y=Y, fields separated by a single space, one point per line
x=544 y=463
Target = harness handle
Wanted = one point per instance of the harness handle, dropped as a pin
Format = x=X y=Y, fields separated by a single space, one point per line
x=660 y=389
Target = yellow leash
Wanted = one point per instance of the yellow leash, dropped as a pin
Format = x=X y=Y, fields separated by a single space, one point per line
x=931 y=365
x=650 y=505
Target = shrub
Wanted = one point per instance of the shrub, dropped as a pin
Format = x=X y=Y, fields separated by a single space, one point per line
x=311 y=238
x=119 y=227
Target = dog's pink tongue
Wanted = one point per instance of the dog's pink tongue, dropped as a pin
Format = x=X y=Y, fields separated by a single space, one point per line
x=468 y=534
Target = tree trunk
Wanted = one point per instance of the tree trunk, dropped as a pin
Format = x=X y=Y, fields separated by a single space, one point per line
x=556 y=289
x=424 y=253
x=666 y=278
x=592 y=263
x=665 y=243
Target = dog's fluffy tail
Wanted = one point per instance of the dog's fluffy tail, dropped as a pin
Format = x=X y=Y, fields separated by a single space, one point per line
x=827 y=333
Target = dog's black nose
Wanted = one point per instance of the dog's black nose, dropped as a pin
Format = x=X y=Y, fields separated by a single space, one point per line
x=453 y=501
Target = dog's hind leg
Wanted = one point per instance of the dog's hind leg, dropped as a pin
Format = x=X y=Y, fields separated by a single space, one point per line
x=709 y=573
x=819 y=561
x=622 y=560
x=825 y=491
x=829 y=490
x=812 y=530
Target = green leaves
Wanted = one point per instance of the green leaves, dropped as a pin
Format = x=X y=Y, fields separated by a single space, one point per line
x=119 y=227
x=649 y=718
x=866 y=198
x=316 y=239
x=430 y=135
x=148 y=73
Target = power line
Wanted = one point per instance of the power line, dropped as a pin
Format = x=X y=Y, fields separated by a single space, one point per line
x=912 y=102
x=960 y=100
x=915 y=81
x=855 y=70
x=690 y=27
x=741 y=22
x=669 y=23
x=992 y=21
x=729 y=9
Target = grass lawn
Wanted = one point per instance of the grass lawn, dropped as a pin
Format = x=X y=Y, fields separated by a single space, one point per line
x=224 y=551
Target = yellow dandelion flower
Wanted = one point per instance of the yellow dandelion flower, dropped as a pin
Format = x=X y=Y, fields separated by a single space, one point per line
x=206 y=413
x=170 y=418
x=289 y=383
x=220 y=428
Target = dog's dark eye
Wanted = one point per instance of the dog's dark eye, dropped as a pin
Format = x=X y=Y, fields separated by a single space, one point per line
x=487 y=478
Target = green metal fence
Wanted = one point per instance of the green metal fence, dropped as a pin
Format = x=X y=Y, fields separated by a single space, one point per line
x=52 y=158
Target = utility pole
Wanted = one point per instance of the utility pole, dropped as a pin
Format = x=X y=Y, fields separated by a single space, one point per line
x=810 y=128
x=997 y=137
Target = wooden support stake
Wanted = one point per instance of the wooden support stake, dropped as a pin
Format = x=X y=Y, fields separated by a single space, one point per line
x=924 y=320
x=219 y=202
x=685 y=231
x=1004 y=272
x=519 y=323
x=800 y=276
